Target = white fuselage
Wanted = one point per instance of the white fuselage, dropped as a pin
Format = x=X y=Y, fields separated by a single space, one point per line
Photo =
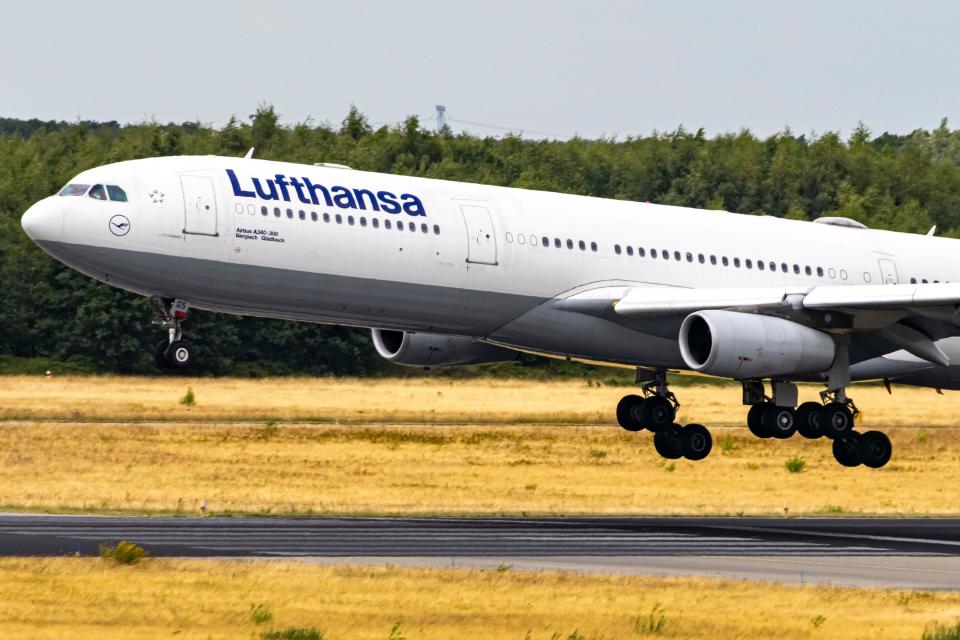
x=478 y=260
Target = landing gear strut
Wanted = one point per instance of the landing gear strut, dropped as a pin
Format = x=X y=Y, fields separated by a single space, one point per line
x=174 y=352
x=656 y=410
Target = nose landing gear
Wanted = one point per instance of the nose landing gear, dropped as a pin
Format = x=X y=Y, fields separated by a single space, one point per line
x=174 y=352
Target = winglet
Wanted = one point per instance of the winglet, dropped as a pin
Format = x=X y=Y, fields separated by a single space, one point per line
x=249 y=154
x=932 y=231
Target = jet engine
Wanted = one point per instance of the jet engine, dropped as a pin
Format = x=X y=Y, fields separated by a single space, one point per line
x=746 y=345
x=432 y=350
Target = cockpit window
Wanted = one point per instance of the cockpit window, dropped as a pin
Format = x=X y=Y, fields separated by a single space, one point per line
x=74 y=190
x=98 y=192
x=116 y=193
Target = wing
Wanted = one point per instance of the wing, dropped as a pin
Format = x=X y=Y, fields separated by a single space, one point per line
x=906 y=316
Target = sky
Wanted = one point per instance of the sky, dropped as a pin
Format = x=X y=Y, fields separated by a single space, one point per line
x=541 y=69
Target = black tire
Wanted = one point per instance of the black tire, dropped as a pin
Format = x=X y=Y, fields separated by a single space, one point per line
x=875 y=449
x=158 y=354
x=628 y=412
x=695 y=441
x=657 y=413
x=179 y=355
x=836 y=420
x=779 y=422
x=754 y=416
x=668 y=443
x=846 y=450
x=808 y=420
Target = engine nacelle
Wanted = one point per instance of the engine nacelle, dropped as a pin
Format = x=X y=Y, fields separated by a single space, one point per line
x=432 y=350
x=746 y=345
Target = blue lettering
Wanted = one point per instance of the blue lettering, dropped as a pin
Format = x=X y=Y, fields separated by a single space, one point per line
x=237 y=191
x=388 y=202
x=296 y=184
x=266 y=196
x=360 y=193
x=343 y=198
x=313 y=188
x=282 y=183
x=412 y=205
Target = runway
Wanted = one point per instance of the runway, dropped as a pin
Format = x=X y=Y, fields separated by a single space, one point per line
x=910 y=553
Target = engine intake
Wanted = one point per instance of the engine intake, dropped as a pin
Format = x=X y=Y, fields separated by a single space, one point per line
x=432 y=350
x=746 y=345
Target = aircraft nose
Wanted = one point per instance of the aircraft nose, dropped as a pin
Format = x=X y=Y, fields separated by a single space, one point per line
x=44 y=220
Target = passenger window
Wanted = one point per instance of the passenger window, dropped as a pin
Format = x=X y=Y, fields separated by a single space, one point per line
x=326 y=218
x=436 y=230
x=556 y=242
x=276 y=212
x=424 y=228
x=913 y=281
x=629 y=250
x=713 y=260
x=412 y=226
x=303 y=215
x=736 y=262
x=593 y=246
x=665 y=254
x=363 y=221
x=617 y=250
x=820 y=272
x=375 y=222
x=290 y=213
x=725 y=261
x=116 y=193
x=773 y=266
x=796 y=269
x=546 y=241
x=689 y=257
x=98 y=192
x=807 y=270
x=350 y=220
x=338 y=218
x=924 y=281
x=759 y=265
x=749 y=263
x=569 y=243
x=700 y=258
x=533 y=240
x=582 y=245
x=783 y=267
x=522 y=239
x=313 y=216
x=641 y=252
x=676 y=256
x=831 y=273
x=387 y=224
x=264 y=210
x=653 y=253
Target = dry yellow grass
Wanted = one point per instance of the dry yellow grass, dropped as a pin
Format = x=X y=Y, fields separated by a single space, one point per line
x=421 y=400
x=89 y=598
x=491 y=469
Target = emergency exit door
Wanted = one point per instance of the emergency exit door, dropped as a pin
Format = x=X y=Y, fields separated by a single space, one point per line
x=481 y=239
x=200 y=205
x=888 y=271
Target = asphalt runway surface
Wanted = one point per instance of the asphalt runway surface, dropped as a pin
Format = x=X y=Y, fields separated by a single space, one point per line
x=909 y=553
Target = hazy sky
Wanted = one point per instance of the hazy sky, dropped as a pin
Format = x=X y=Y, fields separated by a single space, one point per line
x=593 y=68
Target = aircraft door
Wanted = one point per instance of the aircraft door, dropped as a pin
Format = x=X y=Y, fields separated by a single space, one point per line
x=481 y=238
x=888 y=271
x=200 y=205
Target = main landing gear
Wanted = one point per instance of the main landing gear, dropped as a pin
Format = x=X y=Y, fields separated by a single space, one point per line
x=832 y=418
x=174 y=352
x=656 y=410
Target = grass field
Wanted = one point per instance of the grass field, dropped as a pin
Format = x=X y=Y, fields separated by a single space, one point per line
x=368 y=467
x=92 y=598
x=418 y=400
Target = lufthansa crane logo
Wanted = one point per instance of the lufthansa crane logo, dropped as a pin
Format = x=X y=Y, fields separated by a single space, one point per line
x=119 y=225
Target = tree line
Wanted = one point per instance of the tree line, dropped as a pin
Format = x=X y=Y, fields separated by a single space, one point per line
x=53 y=314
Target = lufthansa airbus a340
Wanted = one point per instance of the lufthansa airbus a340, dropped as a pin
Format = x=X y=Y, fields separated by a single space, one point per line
x=449 y=273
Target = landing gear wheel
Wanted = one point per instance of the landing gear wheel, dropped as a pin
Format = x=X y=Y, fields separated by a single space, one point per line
x=179 y=354
x=754 y=420
x=808 y=420
x=779 y=422
x=875 y=449
x=657 y=413
x=835 y=420
x=846 y=449
x=628 y=412
x=668 y=442
x=158 y=354
x=695 y=442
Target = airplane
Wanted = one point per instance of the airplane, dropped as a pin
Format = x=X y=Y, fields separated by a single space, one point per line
x=447 y=273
